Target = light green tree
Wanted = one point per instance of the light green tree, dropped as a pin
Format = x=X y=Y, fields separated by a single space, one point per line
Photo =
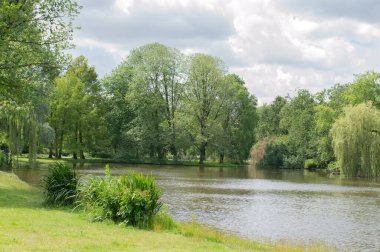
x=155 y=94
x=205 y=98
x=356 y=141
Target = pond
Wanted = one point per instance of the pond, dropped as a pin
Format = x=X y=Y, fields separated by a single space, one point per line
x=264 y=205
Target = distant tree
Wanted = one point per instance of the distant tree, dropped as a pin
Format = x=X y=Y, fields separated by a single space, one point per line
x=365 y=88
x=120 y=114
x=297 y=120
x=205 y=98
x=356 y=141
x=155 y=94
x=235 y=128
x=269 y=118
x=75 y=110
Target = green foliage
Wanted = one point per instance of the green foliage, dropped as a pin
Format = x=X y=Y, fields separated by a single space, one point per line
x=293 y=162
x=269 y=118
x=3 y=158
x=76 y=111
x=163 y=221
x=34 y=35
x=130 y=199
x=60 y=185
x=297 y=121
x=356 y=141
x=274 y=156
x=310 y=164
x=366 y=88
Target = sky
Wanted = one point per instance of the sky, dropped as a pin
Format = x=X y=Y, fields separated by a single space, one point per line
x=276 y=46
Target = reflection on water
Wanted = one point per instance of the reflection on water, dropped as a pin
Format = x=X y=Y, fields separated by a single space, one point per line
x=264 y=204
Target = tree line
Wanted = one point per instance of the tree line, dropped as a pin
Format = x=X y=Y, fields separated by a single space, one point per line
x=161 y=104
x=335 y=128
x=157 y=103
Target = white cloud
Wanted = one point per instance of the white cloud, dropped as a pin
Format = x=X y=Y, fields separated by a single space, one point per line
x=275 y=46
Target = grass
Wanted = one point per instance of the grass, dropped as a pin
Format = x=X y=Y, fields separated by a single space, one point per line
x=46 y=160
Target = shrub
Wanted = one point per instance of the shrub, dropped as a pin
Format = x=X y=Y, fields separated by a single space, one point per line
x=293 y=162
x=130 y=199
x=310 y=164
x=60 y=185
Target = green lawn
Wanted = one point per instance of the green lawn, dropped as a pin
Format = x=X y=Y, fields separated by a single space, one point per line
x=27 y=225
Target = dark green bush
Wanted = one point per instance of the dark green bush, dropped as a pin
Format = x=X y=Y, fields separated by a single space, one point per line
x=130 y=199
x=60 y=185
x=273 y=157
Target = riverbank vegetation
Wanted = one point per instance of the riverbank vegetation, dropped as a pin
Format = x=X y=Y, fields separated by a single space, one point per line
x=161 y=105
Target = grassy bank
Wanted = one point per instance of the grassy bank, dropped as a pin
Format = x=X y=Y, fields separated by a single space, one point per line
x=46 y=160
x=29 y=226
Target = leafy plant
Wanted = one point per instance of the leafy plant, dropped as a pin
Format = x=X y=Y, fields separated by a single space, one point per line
x=130 y=199
x=310 y=164
x=60 y=185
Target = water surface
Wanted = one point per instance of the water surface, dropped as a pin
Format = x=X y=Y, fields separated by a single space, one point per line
x=264 y=205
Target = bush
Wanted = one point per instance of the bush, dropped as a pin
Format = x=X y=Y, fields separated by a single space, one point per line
x=310 y=164
x=130 y=199
x=274 y=155
x=293 y=162
x=60 y=185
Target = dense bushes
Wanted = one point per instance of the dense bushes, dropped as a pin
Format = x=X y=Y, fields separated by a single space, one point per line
x=60 y=185
x=130 y=199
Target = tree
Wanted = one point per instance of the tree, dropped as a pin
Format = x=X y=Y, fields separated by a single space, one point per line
x=366 y=88
x=356 y=141
x=205 y=98
x=155 y=93
x=297 y=120
x=269 y=122
x=76 y=109
x=235 y=132
x=120 y=114
x=33 y=37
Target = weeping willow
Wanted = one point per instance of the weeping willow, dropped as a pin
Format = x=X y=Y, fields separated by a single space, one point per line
x=356 y=141
x=18 y=123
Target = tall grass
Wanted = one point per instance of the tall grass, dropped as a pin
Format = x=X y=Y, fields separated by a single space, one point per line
x=60 y=185
x=130 y=199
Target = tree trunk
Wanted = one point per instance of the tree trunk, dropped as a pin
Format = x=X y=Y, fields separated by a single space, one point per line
x=151 y=153
x=75 y=156
x=202 y=152
x=81 y=145
x=174 y=152
x=221 y=158
x=51 y=151
x=60 y=145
